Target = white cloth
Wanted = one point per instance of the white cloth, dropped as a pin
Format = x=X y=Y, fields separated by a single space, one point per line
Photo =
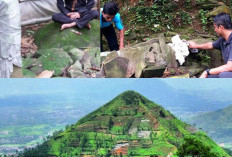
x=37 y=11
x=10 y=37
x=180 y=47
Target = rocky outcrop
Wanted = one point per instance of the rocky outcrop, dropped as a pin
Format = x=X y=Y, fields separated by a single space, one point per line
x=148 y=59
x=64 y=52
x=155 y=58
x=73 y=63
x=222 y=8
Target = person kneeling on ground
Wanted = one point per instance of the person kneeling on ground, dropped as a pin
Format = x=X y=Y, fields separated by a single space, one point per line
x=110 y=14
x=223 y=27
x=75 y=13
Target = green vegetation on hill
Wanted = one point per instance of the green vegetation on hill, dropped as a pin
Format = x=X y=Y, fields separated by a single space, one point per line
x=129 y=125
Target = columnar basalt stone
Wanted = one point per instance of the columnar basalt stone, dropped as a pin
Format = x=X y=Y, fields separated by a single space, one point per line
x=154 y=71
x=76 y=71
x=193 y=71
x=94 y=56
x=154 y=52
x=58 y=50
x=136 y=57
x=37 y=69
x=116 y=68
x=76 y=54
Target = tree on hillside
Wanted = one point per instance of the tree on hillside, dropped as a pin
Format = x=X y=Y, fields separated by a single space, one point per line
x=195 y=148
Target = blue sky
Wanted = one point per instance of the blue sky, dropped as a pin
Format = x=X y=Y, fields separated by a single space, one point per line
x=109 y=88
x=26 y=86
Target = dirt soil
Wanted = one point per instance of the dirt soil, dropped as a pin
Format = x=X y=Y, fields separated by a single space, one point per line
x=27 y=41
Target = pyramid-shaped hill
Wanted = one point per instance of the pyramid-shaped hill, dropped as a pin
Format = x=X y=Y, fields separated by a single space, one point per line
x=129 y=125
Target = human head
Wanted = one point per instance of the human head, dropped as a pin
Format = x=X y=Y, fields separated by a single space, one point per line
x=222 y=19
x=110 y=9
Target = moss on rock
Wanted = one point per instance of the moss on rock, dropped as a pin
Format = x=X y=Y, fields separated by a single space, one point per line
x=55 y=59
x=50 y=36
x=28 y=74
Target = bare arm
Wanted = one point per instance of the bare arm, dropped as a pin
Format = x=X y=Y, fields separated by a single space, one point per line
x=223 y=68
x=121 y=39
x=217 y=70
x=206 y=46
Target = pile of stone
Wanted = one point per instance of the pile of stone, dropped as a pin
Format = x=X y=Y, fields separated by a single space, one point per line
x=73 y=62
x=157 y=58
x=65 y=52
x=147 y=59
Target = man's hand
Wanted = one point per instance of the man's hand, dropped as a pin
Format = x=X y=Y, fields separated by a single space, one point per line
x=205 y=46
x=204 y=75
x=192 y=45
x=74 y=15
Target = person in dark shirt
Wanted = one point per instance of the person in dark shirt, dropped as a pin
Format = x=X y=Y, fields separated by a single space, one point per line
x=75 y=13
x=223 y=27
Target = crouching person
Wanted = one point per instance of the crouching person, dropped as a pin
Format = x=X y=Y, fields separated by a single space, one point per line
x=223 y=27
x=109 y=14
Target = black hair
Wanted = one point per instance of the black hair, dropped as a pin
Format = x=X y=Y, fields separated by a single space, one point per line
x=110 y=8
x=223 y=19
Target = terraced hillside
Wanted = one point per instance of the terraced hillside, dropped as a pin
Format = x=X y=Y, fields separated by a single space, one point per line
x=129 y=125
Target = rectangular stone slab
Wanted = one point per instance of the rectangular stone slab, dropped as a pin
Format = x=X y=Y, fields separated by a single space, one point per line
x=153 y=71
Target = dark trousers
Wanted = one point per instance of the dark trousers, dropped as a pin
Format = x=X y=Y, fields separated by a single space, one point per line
x=81 y=22
x=111 y=38
x=226 y=74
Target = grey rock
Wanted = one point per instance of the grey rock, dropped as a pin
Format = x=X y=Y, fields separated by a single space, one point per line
x=75 y=71
x=94 y=55
x=154 y=71
x=87 y=65
x=37 y=69
x=31 y=62
x=116 y=68
x=76 y=54
x=194 y=71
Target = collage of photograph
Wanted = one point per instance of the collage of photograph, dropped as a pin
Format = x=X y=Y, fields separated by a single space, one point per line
x=124 y=78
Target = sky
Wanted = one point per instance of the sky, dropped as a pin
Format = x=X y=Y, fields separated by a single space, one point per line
x=109 y=88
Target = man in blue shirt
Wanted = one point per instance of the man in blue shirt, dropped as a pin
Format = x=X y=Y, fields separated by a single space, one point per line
x=223 y=28
x=109 y=14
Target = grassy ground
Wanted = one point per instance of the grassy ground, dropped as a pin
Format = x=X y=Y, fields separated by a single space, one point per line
x=146 y=19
